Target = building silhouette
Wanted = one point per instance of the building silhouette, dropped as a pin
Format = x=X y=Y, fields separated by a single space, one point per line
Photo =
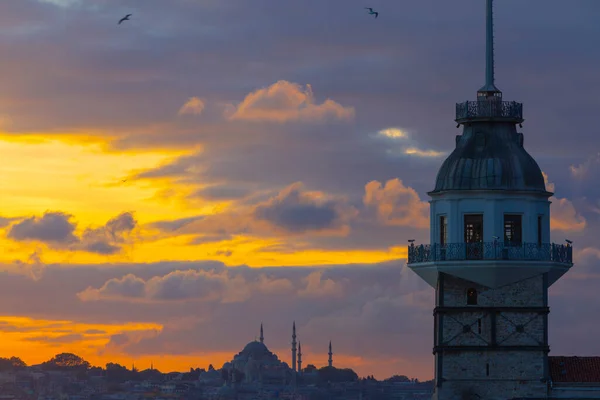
x=491 y=261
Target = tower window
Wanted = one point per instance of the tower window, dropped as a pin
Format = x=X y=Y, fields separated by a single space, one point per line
x=487 y=369
x=512 y=230
x=539 y=229
x=471 y=297
x=479 y=326
x=473 y=230
x=443 y=230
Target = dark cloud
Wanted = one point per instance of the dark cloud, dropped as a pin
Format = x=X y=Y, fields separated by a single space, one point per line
x=222 y=192
x=108 y=239
x=210 y=239
x=61 y=339
x=52 y=227
x=95 y=332
x=4 y=221
x=172 y=226
x=57 y=230
x=299 y=212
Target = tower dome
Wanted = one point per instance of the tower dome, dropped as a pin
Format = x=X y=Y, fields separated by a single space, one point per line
x=490 y=157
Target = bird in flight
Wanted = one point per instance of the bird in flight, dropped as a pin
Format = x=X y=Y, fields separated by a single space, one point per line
x=125 y=18
x=371 y=12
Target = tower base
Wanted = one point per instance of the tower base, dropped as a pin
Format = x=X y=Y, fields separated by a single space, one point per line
x=490 y=390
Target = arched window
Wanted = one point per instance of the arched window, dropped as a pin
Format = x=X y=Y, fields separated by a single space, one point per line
x=471 y=297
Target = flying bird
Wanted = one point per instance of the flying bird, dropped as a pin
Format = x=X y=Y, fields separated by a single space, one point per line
x=371 y=12
x=125 y=18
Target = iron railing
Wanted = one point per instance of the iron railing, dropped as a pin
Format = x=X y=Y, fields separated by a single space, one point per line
x=490 y=251
x=470 y=110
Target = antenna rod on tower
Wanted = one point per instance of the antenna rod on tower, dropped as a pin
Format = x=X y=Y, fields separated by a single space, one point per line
x=489 y=65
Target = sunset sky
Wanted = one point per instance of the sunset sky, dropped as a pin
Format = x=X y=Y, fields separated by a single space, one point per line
x=169 y=183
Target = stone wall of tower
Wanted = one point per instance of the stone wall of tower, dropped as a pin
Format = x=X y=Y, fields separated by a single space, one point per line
x=491 y=373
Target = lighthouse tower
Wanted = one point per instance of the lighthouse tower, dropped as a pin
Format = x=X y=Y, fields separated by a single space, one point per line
x=490 y=259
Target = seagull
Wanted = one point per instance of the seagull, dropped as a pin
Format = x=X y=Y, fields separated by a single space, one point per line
x=123 y=180
x=371 y=12
x=125 y=18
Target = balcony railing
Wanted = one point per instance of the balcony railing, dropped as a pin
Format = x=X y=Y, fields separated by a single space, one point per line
x=472 y=110
x=490 y=251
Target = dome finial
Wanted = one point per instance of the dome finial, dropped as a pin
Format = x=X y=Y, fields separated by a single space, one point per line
x=489 y=90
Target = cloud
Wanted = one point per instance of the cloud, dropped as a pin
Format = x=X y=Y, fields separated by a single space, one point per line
x=582 y=170
x=563 y=215
x=33 y=267
x=396 y=204
x=174 y=225
x=57 y=230
x=108 y=239
x=401 y=143
x=222 y=192
x=298 y=211
x=316 y=286
x=194 y=105
x=423 y=153
x=284 y=101
x=292 y=211
x=221 y=286
x=393 y=133
x=53 y=227
x=60 y=339
x=6 y=221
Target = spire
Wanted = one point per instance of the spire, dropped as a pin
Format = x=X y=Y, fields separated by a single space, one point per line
x=294 y=347
x=262 y=337
x=294 y=330
x=330 y=361
x=299 y=358
x=489 y=89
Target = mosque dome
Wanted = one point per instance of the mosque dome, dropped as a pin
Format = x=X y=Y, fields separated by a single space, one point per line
x=490 y=158
x=255 y=350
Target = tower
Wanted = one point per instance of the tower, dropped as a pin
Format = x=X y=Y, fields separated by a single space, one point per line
x=294 y=347
x=262 y=337
x=490 y=259
x=299 y=358
x=330 y=361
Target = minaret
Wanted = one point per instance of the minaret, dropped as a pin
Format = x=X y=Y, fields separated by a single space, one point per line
x=299 y=358
x=490 y=260
x=330 y=361
x=262 y=337
x=294 y=346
